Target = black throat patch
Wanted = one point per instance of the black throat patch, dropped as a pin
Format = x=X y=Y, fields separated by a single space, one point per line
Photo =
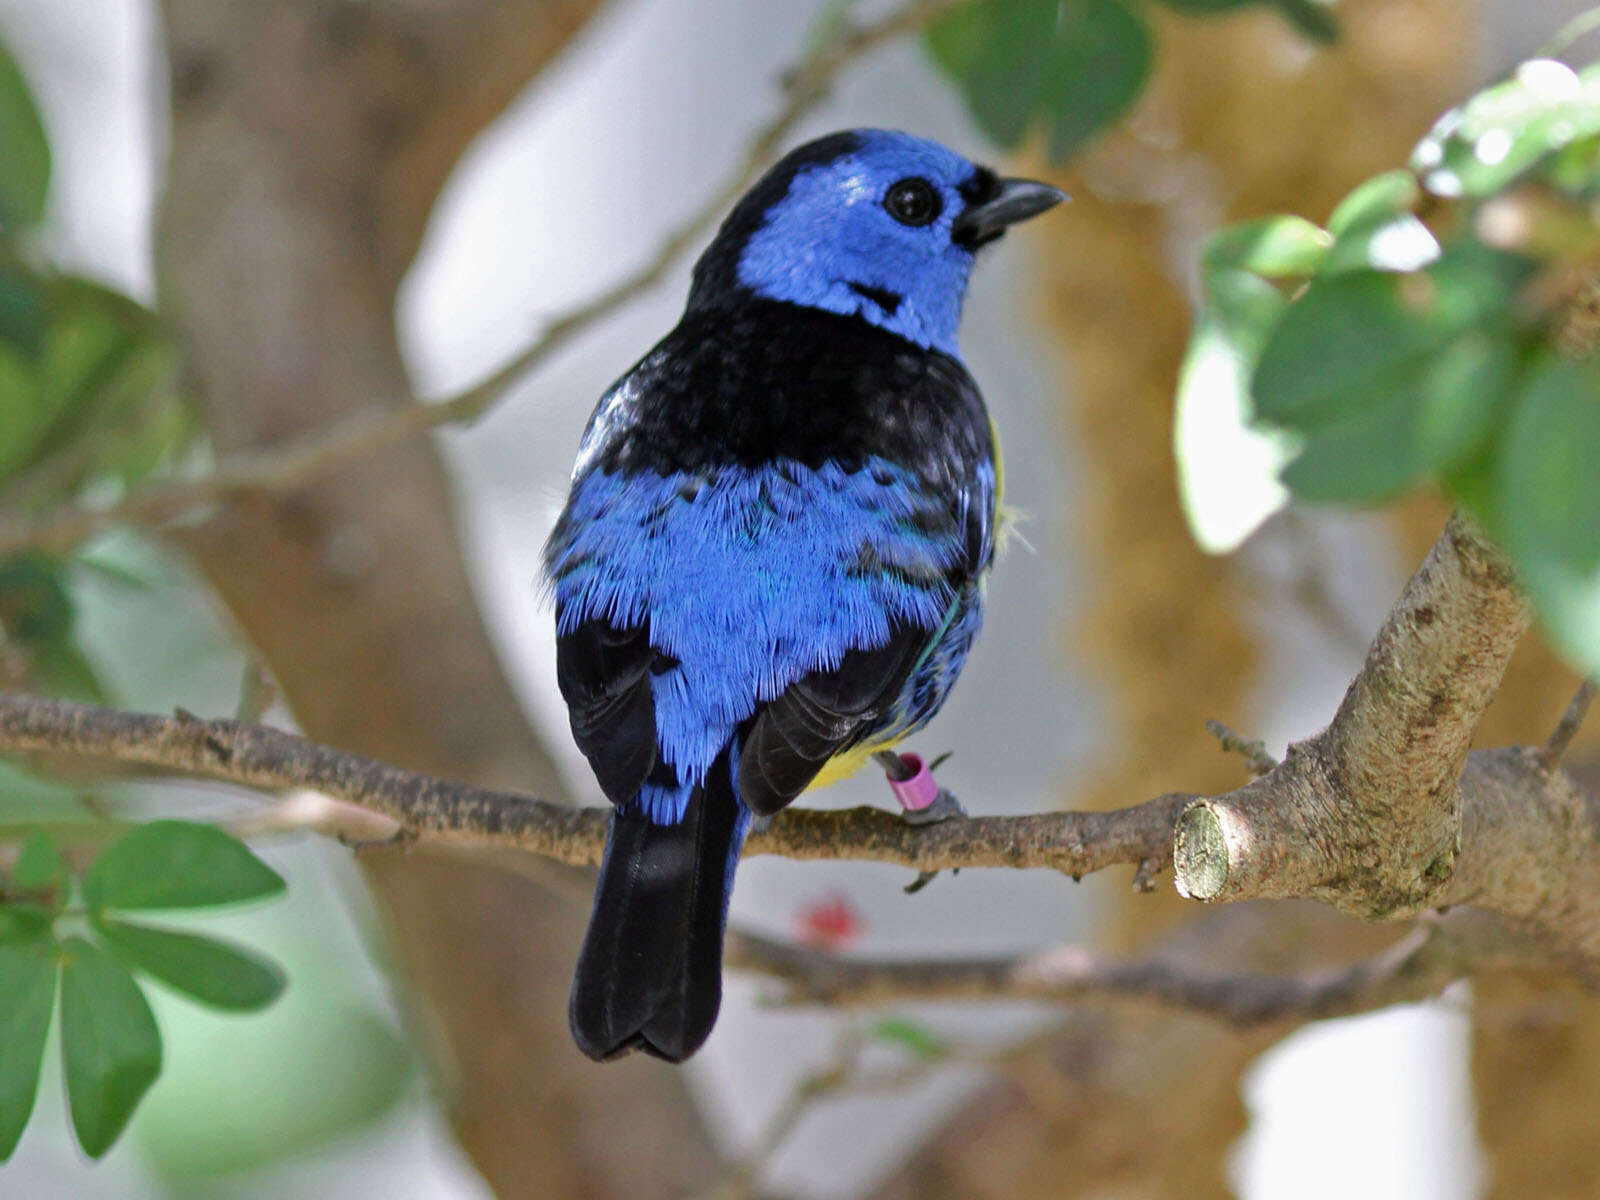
x=882 y=297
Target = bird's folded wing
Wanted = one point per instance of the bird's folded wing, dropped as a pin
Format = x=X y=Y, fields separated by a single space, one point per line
x=604 y=673
x=822 y=714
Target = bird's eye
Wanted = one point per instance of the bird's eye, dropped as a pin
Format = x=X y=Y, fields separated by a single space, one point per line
x=913 y=201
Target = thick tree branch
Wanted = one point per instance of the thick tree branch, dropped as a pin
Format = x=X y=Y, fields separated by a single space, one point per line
x=1367 y=814
x=286 y=468
x=261 y=757
x=1385 y=813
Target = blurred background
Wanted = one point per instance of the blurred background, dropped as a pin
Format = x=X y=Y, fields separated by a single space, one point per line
x=335 y=202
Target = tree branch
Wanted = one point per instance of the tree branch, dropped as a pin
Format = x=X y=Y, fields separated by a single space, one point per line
x=260 y=757
x=285 y=468
x=1421 y=964
x=1367 y=814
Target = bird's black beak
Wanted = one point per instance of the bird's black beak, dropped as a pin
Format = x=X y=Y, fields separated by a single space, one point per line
x=1008 y=201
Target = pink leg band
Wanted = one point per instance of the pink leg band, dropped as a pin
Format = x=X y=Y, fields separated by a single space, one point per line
x=916 y=793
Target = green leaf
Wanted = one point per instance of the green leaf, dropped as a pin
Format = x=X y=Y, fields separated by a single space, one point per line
x=24 y=923
x=1375 y=201
x=210 y=971
x=1342 y=348
x=1309 y=17
x=1368 y=457
x=956 y=40
x=35 y=606
x=25 y=160
x=1463 y=395
x=1505 y=130
x=110 y=1047
x=1102 y=57
x=1005 y=71
x=177 y=864
x=27 y=1001
x=1355 y=341
x=1227 y=468
x=918 y=1039
x=22 y=309
x=39 y=867
x=1275 y=247
x=21 y=422
x=1548 y=501
x=59 y=668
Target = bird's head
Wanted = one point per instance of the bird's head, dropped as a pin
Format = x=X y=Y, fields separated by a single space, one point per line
x=872 y=223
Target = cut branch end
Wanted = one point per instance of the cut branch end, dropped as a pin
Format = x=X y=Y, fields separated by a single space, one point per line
x=1200 y=853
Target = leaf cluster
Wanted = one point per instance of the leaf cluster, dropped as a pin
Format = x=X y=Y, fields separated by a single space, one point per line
x=67 y=934
x=1443 y=325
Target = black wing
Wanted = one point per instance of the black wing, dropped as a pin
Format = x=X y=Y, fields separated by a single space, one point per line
x=820 y=715
x=604 y=673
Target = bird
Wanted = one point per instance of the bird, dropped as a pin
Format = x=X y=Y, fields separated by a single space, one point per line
x=770 y=562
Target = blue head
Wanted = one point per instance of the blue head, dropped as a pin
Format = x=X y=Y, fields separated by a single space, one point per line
x=870 y=223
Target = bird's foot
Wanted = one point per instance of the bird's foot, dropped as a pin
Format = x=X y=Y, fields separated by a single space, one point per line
x=922 y=800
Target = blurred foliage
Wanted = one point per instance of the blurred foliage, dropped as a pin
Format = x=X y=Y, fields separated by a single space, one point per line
x=110 y=1046
x=1443 y=325
x=1072 y=66
x=89 y=408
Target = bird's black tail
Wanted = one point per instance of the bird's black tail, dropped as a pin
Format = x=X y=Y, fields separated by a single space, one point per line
x=650 y=973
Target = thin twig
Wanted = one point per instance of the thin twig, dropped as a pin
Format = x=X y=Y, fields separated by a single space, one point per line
x=1417 y=966
x=288 y=467
x=1253 y=752
x=1567 y=728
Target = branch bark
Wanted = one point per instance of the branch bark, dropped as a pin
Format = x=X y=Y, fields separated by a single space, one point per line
x=264 y=758
x=1367 y=814
x=1419 y=965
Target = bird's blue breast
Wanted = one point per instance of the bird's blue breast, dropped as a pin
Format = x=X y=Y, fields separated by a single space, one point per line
x=750 y=578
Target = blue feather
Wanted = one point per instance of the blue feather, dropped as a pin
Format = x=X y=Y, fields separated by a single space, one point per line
x=751 y=580
x=829 y=239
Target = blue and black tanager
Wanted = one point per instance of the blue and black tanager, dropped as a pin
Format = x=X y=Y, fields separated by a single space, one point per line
x=771 y=559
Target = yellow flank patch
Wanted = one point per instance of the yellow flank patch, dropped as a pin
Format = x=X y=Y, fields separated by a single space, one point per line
x=847 y=764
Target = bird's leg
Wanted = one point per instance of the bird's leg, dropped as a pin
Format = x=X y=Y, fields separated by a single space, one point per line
x=922 y=800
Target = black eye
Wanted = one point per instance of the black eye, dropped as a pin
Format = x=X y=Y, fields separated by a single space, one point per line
x=913 y=201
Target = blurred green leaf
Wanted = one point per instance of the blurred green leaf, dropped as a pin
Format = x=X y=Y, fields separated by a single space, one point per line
x=1005 y=47
x=1379 y=198
x=22 y=309
x=1370 y=455
x=21 y=424
x=1101 y=59
x=1274 y=247
x=39 y=867
x=203 y=968
x=1547 y=499
x=24 y=922
x=1505 y=130
x=27 y=1002
x=59 y=668
x=1349 y=344
x=1079 y=63
x=1398 y=244
x=35 y=605
x=177 y=864
x=1309 y=17
x=1463 y=395
x=908 y=1035
x=25 y=161
x=110 y=1047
